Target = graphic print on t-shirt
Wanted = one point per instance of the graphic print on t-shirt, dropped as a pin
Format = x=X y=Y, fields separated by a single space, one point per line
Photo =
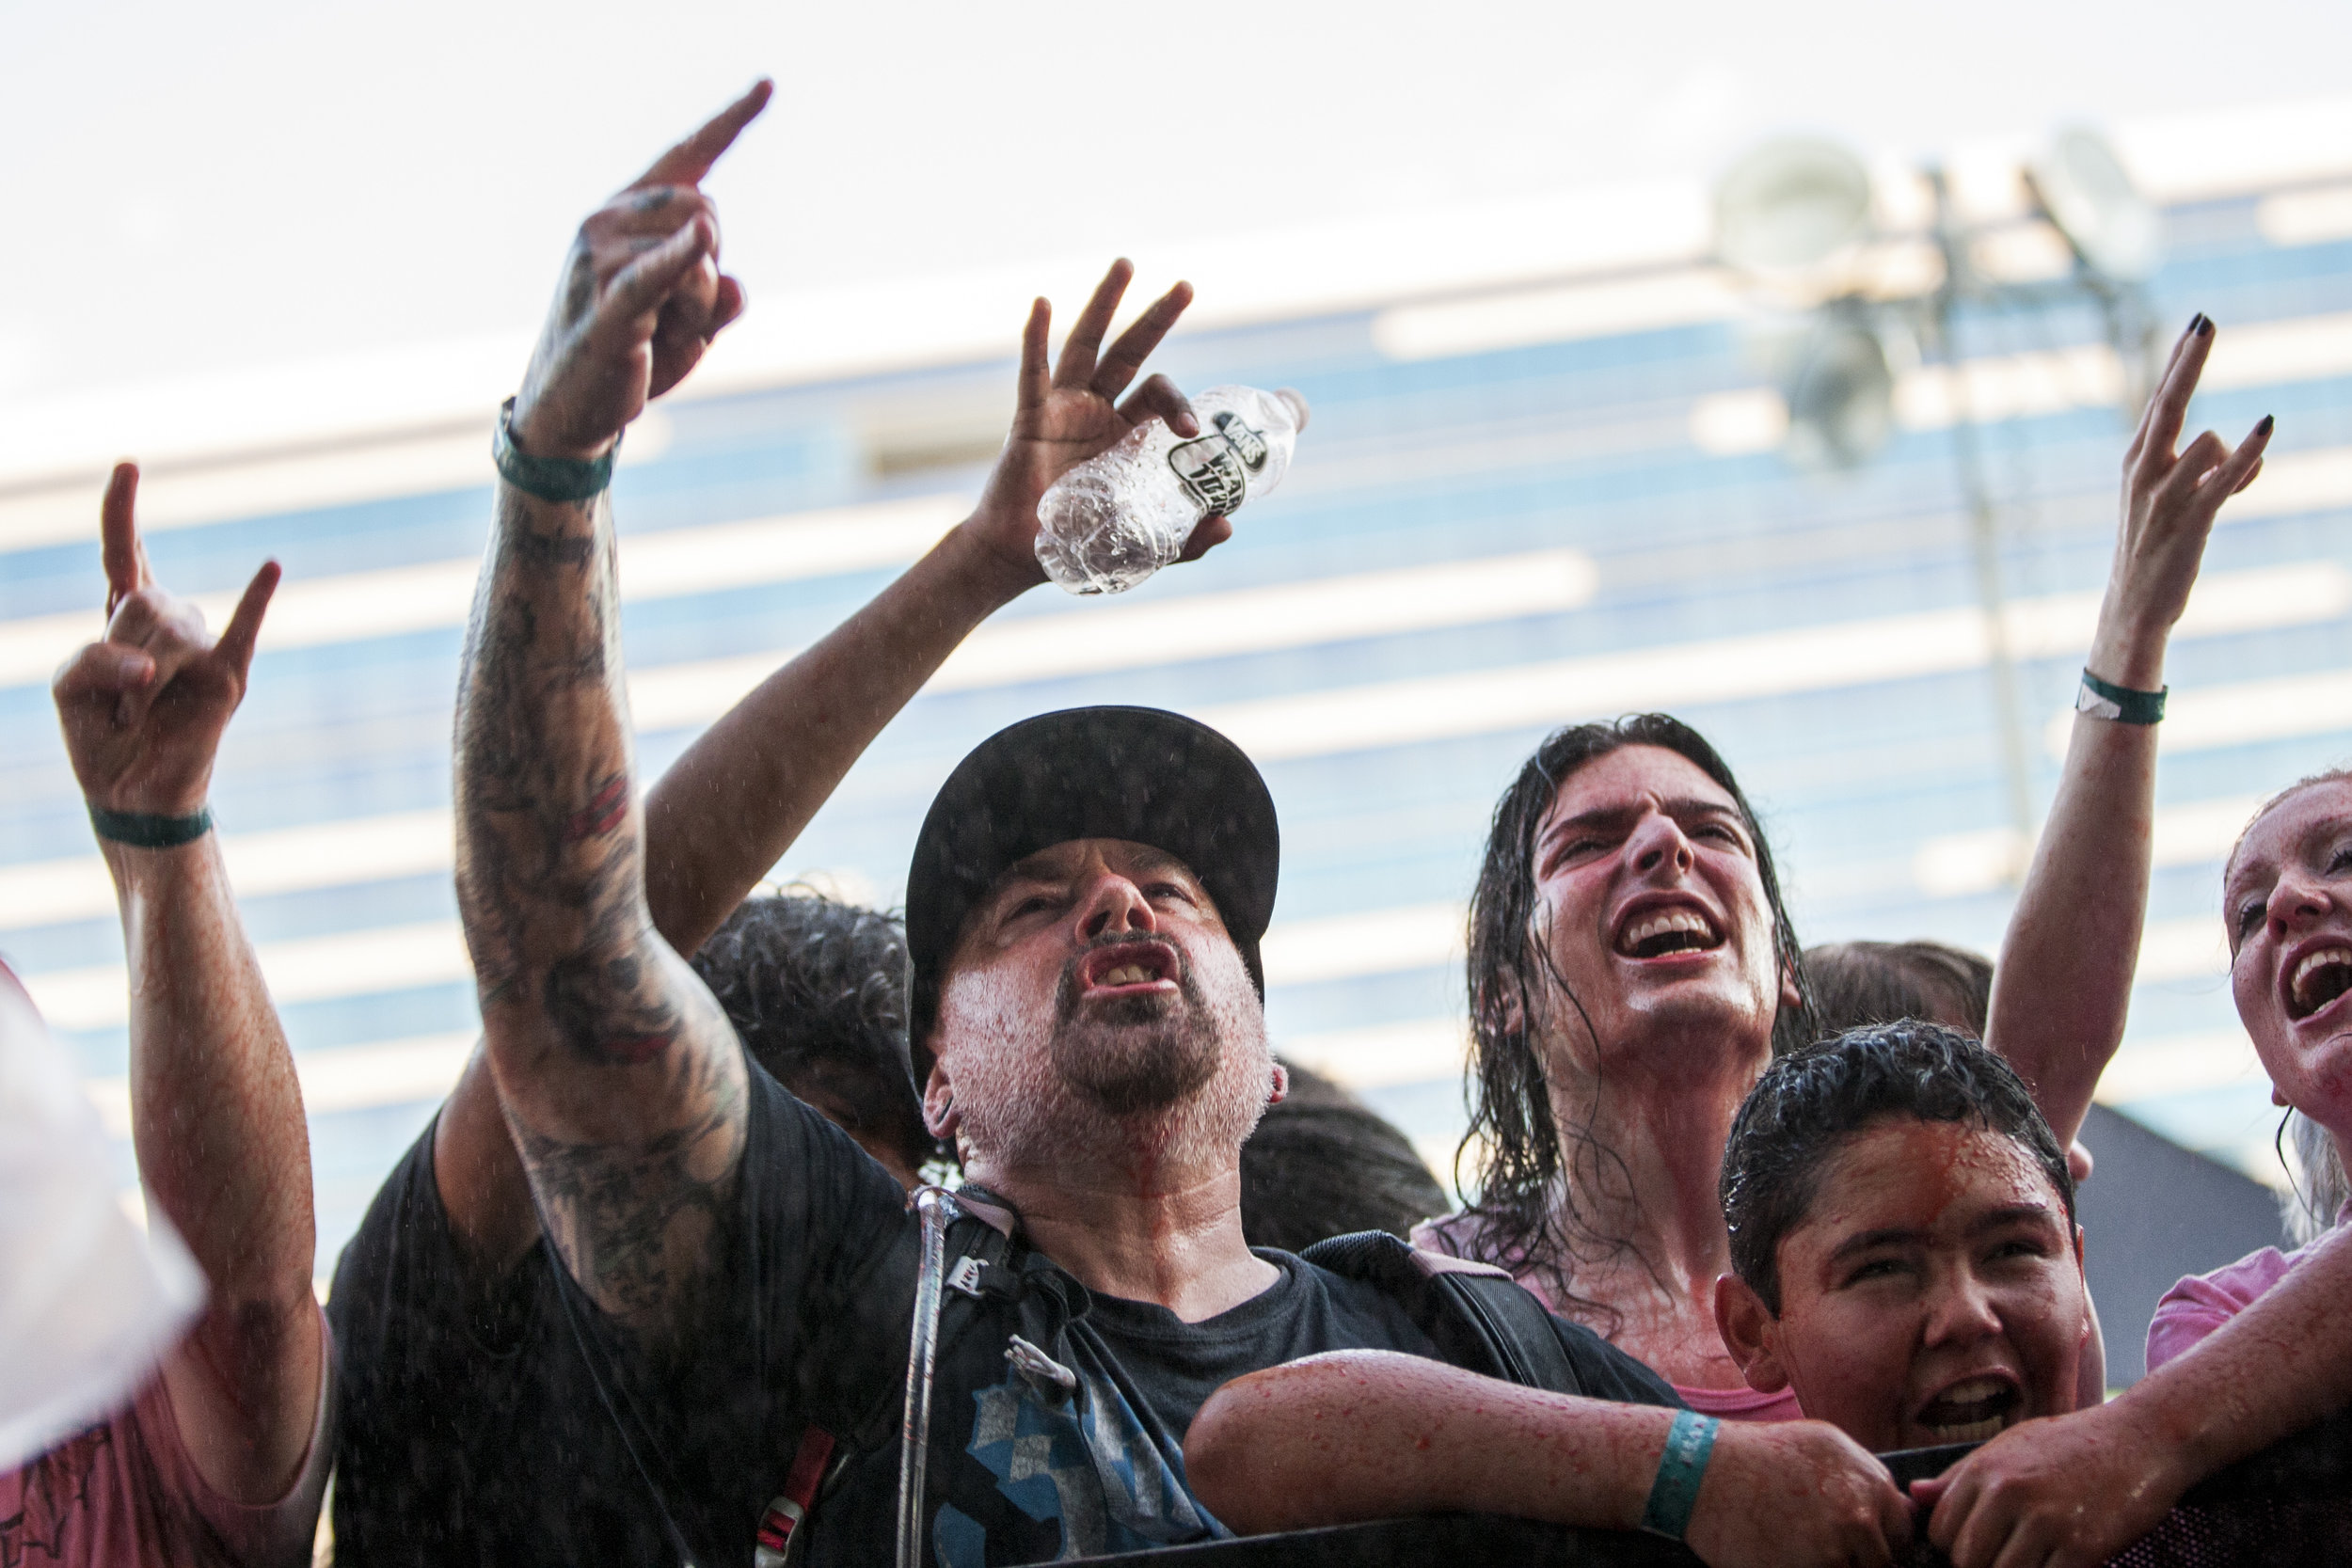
x=1085 y=1462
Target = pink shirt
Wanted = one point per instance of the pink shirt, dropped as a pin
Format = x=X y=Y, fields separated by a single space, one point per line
x=124 y=1494
x=1457 y=1236
x=2204 y=1302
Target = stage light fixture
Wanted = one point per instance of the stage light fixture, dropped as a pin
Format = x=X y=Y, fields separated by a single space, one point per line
x=2086 y=191
x=1841 y=400
x=1790 y=204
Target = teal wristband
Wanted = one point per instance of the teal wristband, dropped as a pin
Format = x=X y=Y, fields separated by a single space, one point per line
x=2100 y=699
x=141 y=830
x=551 y=479
x=1680 y=1468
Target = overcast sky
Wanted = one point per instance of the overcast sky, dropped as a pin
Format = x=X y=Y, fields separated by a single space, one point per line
x=255 y=181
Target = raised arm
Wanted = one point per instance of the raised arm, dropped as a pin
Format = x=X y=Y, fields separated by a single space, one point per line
x=2063 y=984
x=731 y=806
x=623 y=1081
x=215 y=1110
x=1370 y=1434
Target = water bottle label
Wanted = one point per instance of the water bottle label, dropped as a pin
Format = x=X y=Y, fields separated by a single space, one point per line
x=1216 y=467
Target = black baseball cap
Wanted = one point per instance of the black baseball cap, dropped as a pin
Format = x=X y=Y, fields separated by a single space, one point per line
x=1141 y=774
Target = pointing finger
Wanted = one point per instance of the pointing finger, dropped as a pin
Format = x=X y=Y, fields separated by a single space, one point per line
x=2140 y=437
x=689 y=160
x=119 y=544
x=2169 y=409
x=1136 y=344
x=1085 y=335
x=235 y=647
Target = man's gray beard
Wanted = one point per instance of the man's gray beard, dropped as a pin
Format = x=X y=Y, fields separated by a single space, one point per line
x=1136 y=1053
x=1095 y=1091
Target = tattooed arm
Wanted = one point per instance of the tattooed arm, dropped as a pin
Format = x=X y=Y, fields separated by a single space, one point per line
x=622 y=1080
x=728 y=809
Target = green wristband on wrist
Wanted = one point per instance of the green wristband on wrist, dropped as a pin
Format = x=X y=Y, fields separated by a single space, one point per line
x=551 y=479
x=2099 y=699
x=145 y=831
x=1690 y=1442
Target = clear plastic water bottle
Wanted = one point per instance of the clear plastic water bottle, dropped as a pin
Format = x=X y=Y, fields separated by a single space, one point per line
x=1115 y=519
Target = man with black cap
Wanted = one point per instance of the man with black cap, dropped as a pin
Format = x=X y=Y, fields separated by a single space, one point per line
x=1003 y=1377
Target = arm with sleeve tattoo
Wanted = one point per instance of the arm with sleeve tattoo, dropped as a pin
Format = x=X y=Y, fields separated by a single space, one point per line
x=728 y=809
x=621 y=1079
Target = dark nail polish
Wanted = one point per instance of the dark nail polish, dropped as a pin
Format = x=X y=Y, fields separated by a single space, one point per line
x=2203 y=326
x=2264 y=428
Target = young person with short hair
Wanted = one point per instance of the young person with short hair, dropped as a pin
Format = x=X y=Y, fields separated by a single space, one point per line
x=1904 y=1252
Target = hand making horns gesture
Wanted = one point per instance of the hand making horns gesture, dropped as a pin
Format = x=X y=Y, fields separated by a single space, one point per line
x=2169 y=506
x=640 y=300
x=144 y=709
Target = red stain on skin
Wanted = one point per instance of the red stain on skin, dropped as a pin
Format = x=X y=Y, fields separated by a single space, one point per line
x=637 y=1051
x=601 y=815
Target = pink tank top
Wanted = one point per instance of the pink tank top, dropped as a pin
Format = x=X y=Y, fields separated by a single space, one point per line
x=124 y=1494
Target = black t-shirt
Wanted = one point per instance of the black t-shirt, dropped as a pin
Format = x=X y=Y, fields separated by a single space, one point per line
x=807 y=1321
x=473 y=1431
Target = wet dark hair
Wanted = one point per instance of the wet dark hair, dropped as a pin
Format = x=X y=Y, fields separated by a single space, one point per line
x=1856 y=983
x=1809 y=1104
x=1528 y=1211
x=1324 y=1163
x=817 y=989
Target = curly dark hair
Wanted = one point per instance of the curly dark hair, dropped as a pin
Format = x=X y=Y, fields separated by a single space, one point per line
x=1808 y=1103
x=817 y=989
x=1324 y=1163
x=1528 y=1210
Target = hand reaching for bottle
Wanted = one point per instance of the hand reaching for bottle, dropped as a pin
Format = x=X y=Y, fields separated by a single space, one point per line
x=1071 y=412
x=144 y=708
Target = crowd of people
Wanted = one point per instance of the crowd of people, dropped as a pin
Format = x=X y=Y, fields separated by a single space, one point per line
x=764 y=1226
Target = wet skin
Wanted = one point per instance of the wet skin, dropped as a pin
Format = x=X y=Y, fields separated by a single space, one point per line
x=1933 y=1294
x=2287 y=899
x=1639 y=837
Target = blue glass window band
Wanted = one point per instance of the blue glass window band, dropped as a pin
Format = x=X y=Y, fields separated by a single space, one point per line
x=1675 y=1492
x=2120 y=704
x=141 y=830
x=551 y=479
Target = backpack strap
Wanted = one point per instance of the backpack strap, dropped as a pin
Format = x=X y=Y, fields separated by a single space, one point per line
x=1479 y=1317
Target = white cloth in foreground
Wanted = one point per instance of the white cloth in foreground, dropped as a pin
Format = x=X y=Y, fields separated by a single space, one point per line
x=88 y=1303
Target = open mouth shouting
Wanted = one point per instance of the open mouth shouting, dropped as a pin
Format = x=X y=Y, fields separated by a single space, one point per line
x=1657 y=931
x=2317 y=978
x=1972 y=1409
x=1128 y=969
